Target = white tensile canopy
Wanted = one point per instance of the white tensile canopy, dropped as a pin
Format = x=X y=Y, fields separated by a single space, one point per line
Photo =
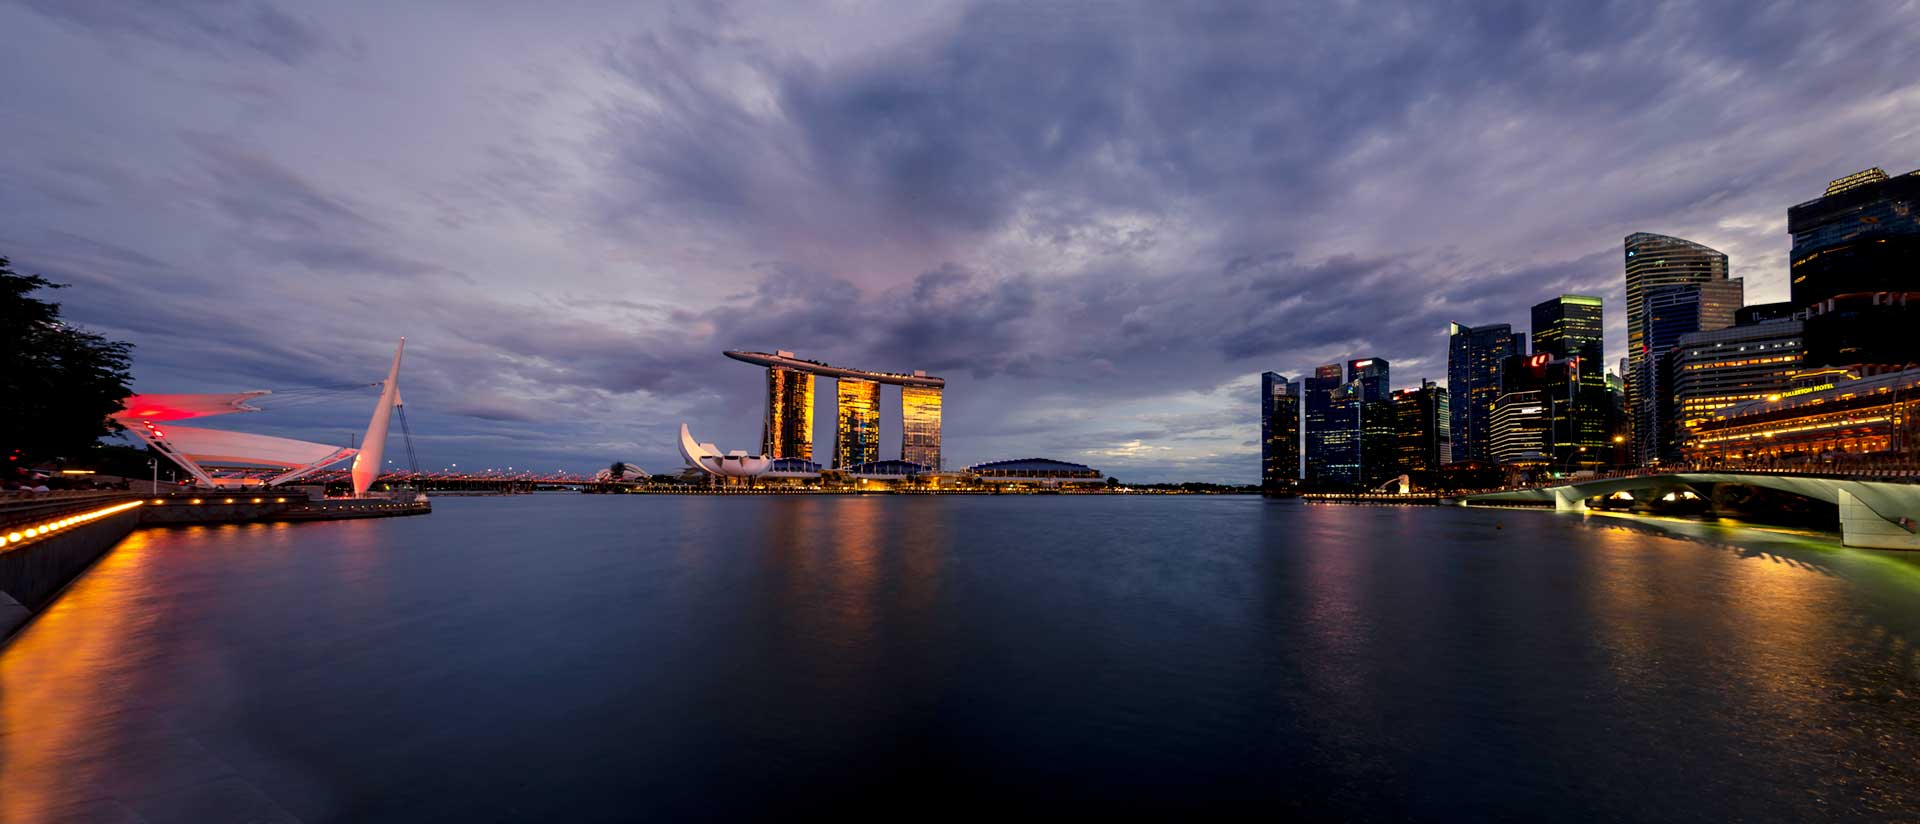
x=150 y=418
x=182 y=407
x=218 y=446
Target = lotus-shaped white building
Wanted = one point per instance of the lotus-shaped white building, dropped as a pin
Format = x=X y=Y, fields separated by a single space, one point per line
x=706 y=456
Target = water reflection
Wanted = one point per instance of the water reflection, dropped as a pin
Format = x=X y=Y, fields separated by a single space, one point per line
x=588 y=657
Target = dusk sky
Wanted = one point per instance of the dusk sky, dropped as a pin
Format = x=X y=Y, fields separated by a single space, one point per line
x=1100 y=222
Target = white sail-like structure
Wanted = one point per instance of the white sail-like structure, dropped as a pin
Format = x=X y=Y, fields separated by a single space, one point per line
x=707 y=457
x=366 y=465
x=152 y=419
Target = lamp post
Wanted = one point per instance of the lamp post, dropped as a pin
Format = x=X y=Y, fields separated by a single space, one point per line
x=154 y=464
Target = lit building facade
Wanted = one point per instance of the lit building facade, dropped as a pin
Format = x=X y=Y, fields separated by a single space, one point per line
x=1332 y=429
x=1521 y=423
x=1654 y=261
x=1475 y=355
x=856 y=439
x=1724 y=367
x=1862 y=236
x=1668 y=313
x=1572 y=326
x=1844 y=422
x=920 y=426
x=1279 y=431
x=788 y=432
x=1379 y=438
x=1422 y=423
x=1574 y=436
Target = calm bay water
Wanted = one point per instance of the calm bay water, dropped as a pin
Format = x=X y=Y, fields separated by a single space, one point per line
x=576 y=657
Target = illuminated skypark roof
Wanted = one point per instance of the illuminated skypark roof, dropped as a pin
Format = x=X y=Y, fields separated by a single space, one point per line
x=786 y=360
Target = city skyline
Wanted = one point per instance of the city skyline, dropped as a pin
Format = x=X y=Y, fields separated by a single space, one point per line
x=642 y=201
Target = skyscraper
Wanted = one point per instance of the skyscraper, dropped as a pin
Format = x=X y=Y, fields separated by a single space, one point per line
x=1571 y=328
x=788 y=432
x=1654 y=261
x=920 y=425
x=1475 y=355
x=1279 y=431
x=1422 y=423
x=1670 y=312
x=1570 y=420
x=857 y=440
x=1379 y=443
x=1862 y=236
x=1332 y=429
x=1856 y=271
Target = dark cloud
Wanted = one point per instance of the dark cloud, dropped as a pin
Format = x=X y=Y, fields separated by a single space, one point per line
x=1100 y=221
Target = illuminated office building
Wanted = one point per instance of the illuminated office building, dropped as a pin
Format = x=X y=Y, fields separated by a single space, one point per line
x=1863 y=236
x=1669 y=312
x=1654 y=261
x=1279 y=431
x=920 y=425
x=1422 y=427
x=857 y=407
x=1572 y=414
x=788 y=432
x=1379 y=439
x=1572 y=326
x=1332 y=429
x=1475 y=355
x=1724 y=367
x=1856 y=271
x=1520 y=426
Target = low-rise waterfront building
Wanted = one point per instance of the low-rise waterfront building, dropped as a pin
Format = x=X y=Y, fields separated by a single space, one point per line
x=1845 y=421
x=1042 y=472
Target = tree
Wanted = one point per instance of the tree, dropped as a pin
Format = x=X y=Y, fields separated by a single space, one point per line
x=59 y=383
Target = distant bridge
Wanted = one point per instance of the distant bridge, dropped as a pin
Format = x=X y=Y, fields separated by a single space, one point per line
x=1876 y=514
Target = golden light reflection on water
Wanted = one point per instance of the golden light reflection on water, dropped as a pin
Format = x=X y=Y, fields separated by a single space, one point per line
x=71 y=685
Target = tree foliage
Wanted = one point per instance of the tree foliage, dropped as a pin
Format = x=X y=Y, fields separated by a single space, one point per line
x=58 y=383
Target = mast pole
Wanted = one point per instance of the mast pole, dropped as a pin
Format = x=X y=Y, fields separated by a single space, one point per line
x=366 y=465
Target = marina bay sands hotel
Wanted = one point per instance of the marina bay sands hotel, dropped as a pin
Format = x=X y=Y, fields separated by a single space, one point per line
x=789 y=425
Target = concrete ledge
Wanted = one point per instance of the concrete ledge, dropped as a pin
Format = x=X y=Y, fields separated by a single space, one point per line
x=32 y=573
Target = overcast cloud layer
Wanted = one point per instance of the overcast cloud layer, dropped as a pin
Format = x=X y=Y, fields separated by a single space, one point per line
x=1099 y=222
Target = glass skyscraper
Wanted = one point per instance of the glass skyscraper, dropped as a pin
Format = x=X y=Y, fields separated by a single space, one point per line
x=857 y=439
x=920 y=425
x=1422 y=423
x=1862 y=236
x=1279 y=431
x=1668 y=313
x=1332 y=429
x=788 y=432
x=1654 y=261
x=1571 y=328
x=1856 y=271
x=1475 y=355
x=1379 y=439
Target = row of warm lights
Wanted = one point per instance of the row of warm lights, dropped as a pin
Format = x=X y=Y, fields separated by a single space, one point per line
x=197 y=501
x=32 y=532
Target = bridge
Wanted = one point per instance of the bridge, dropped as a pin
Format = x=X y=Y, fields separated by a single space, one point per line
x=1875 y=514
